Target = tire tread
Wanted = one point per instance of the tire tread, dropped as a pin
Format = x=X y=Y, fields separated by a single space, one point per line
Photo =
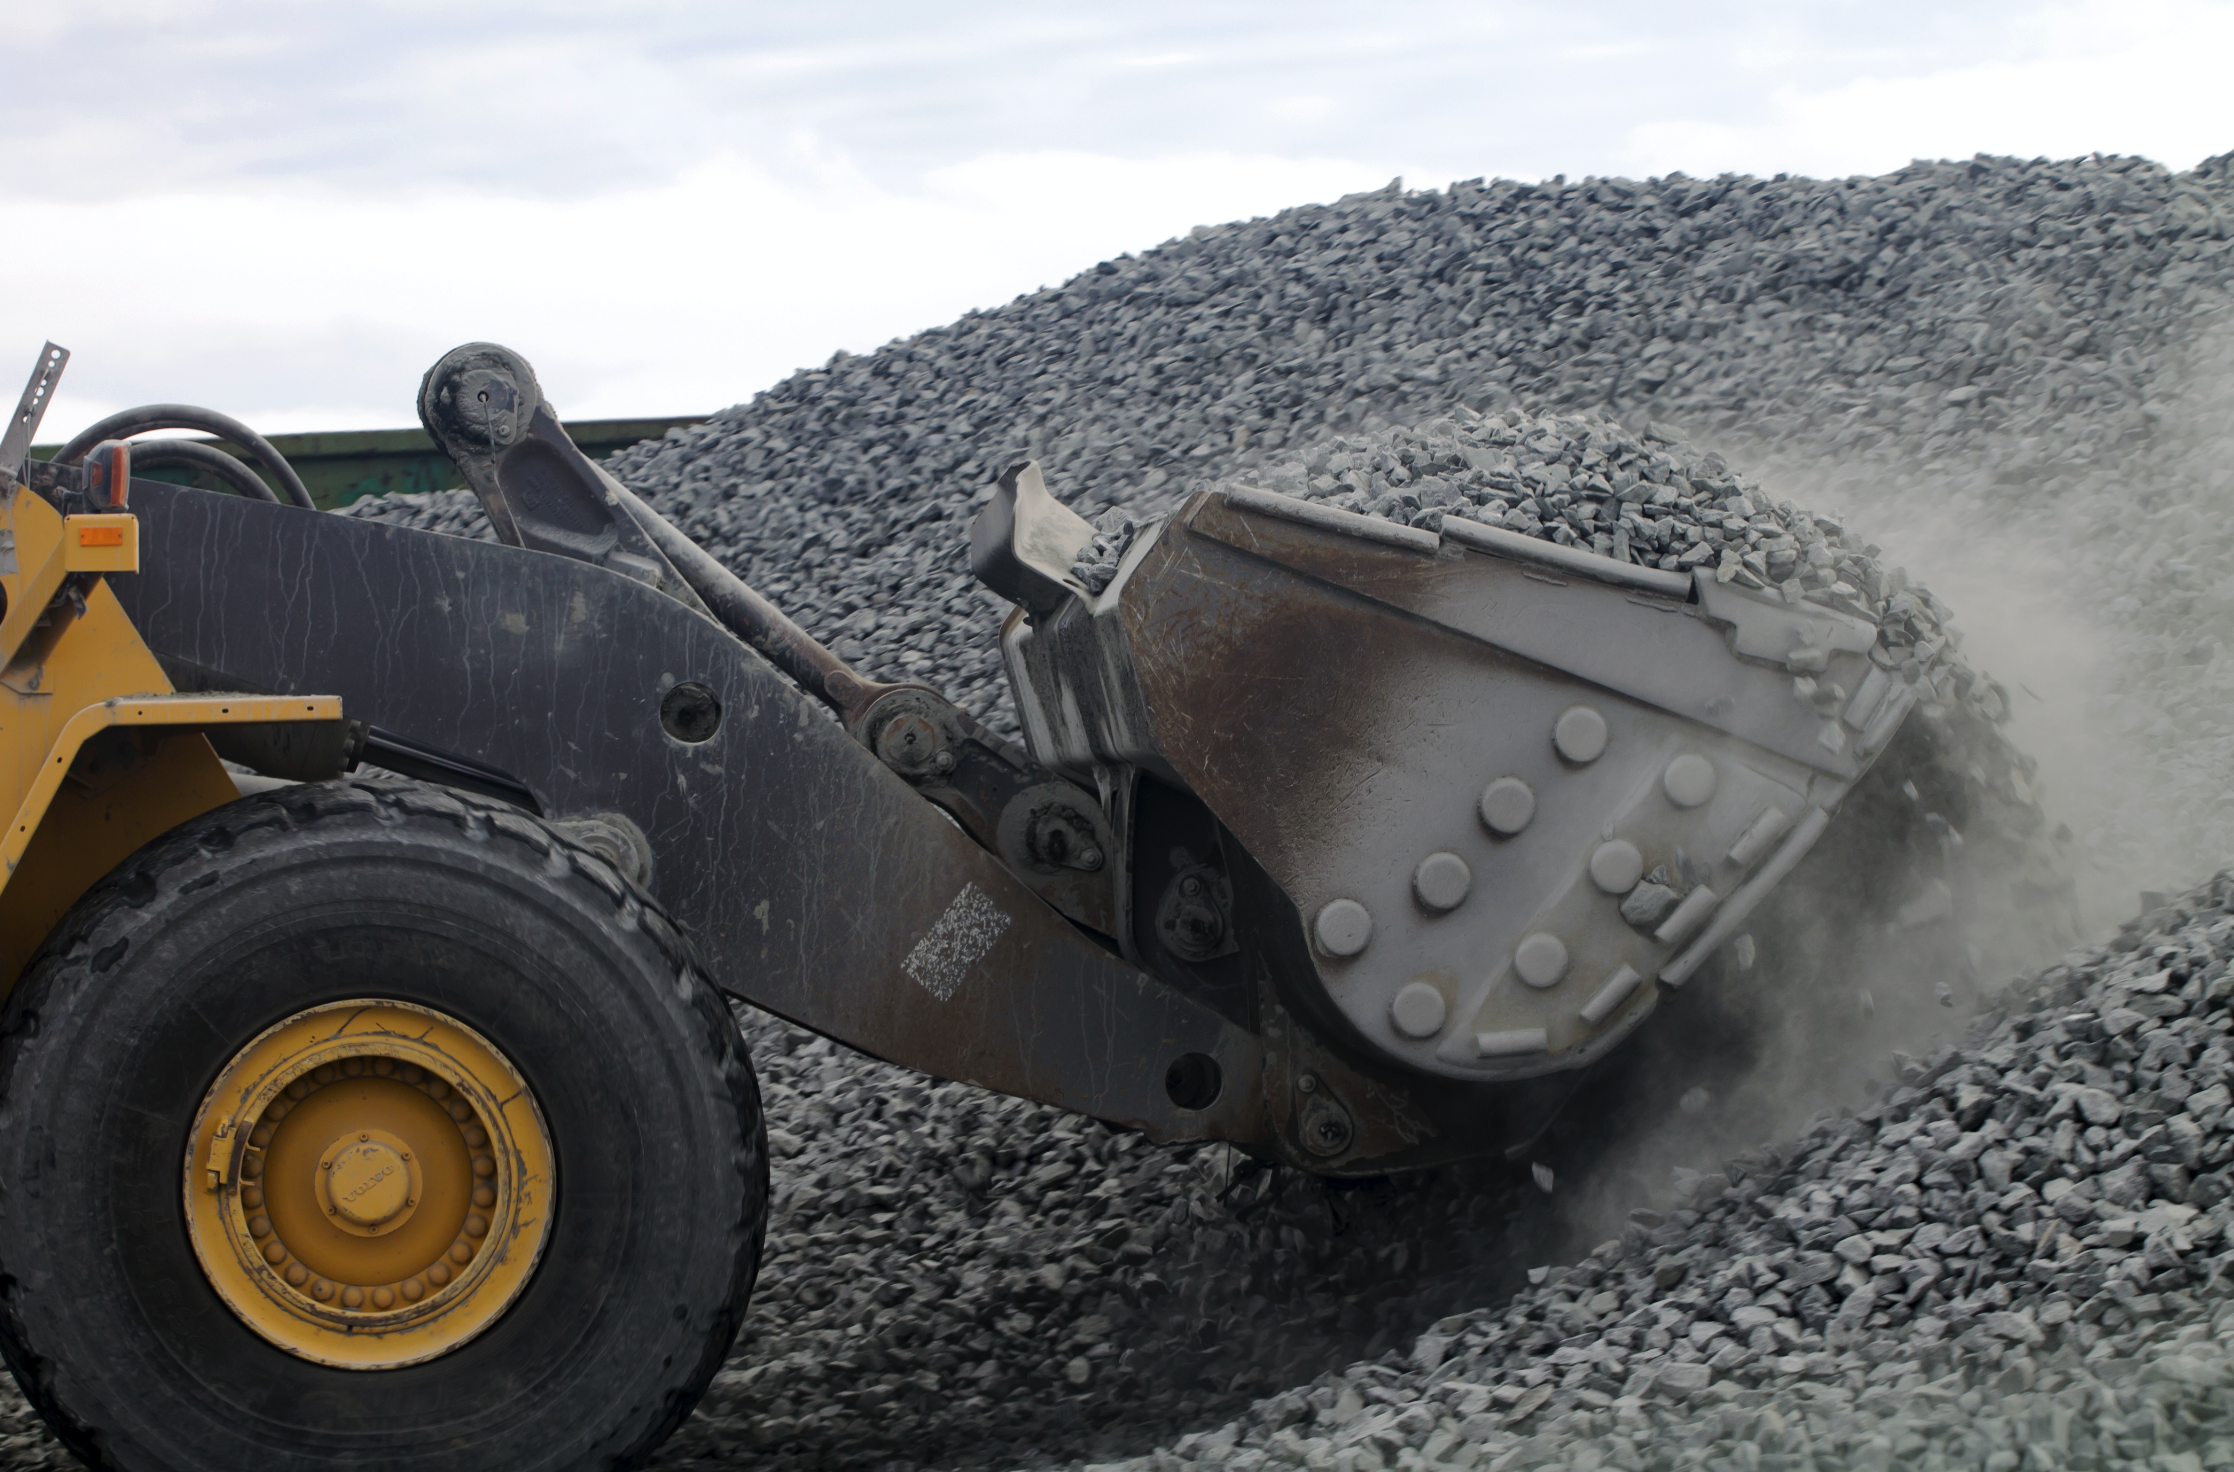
x=102 y=925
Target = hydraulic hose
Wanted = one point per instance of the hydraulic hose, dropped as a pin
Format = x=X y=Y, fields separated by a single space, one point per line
x=194 y=455
x=129 y=422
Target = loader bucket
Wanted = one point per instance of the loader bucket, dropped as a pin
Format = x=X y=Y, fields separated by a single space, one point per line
x=1504 y=791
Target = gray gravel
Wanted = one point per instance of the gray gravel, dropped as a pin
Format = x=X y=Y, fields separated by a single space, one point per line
x=956 y=1278
x=1940 y=311
x=1649 y=499
x=2026 y=1242
x=2028 y=1246
x=2015 y=343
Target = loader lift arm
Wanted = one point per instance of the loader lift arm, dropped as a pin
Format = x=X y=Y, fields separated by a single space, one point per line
x=819 y=882
x=482 y=405
x=904 y=882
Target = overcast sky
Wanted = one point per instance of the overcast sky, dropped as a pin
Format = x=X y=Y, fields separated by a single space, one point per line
x=287 y=211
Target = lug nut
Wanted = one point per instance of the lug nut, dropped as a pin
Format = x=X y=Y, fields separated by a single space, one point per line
x=1507 y=806
x=1344 y=926
x=1418 y=1010
x=1689 y=780
x=1441 y=881
x=1541 y=959
x=1579 y=734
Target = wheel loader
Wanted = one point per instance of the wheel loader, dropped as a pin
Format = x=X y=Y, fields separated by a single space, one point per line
x=374 y=899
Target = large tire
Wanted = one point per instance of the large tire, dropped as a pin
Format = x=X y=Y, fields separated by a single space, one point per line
x=354 y=889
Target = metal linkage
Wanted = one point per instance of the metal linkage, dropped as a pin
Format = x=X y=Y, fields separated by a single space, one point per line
x=814 y=881
x=485 y=410
x=483 y=406
x=1051 y=832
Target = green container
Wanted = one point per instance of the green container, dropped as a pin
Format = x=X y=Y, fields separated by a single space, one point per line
x=349 y=465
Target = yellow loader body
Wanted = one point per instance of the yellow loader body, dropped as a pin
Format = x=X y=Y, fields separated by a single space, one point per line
x=98 y=753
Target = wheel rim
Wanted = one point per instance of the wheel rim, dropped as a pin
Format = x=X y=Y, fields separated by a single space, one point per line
x=369 y=1184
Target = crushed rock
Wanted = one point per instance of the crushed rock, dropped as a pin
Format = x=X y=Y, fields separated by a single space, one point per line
x=2011 y=345
x=2029 y=1244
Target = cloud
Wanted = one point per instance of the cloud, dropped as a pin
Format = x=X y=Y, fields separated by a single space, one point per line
x=2136 y=76
x=290 y=210
x=570 y=99
x=303 y=309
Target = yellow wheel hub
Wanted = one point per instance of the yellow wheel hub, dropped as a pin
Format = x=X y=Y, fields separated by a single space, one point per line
x=369 y=1184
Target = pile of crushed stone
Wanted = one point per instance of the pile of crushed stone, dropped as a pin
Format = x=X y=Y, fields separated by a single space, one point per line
x=2026 y=1243
x=2002 y=339
x=2028 y=1246
x=958 y=1278
x=2013 y=344
x=1650 y=500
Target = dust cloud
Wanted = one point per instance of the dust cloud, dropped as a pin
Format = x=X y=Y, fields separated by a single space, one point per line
x=2098 y=588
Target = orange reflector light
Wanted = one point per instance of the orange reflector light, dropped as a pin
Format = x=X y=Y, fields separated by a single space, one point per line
x=100 y=536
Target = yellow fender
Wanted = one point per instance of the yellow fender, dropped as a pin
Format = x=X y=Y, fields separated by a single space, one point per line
x=99 y=754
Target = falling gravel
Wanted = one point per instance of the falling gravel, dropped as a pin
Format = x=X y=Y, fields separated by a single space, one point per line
x=1986 y=365
x=2027 y=1246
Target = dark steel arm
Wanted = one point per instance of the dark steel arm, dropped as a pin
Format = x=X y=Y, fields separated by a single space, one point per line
x=814 y=880
x=752 y=618
x=483 y=406
x=1049 y=831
